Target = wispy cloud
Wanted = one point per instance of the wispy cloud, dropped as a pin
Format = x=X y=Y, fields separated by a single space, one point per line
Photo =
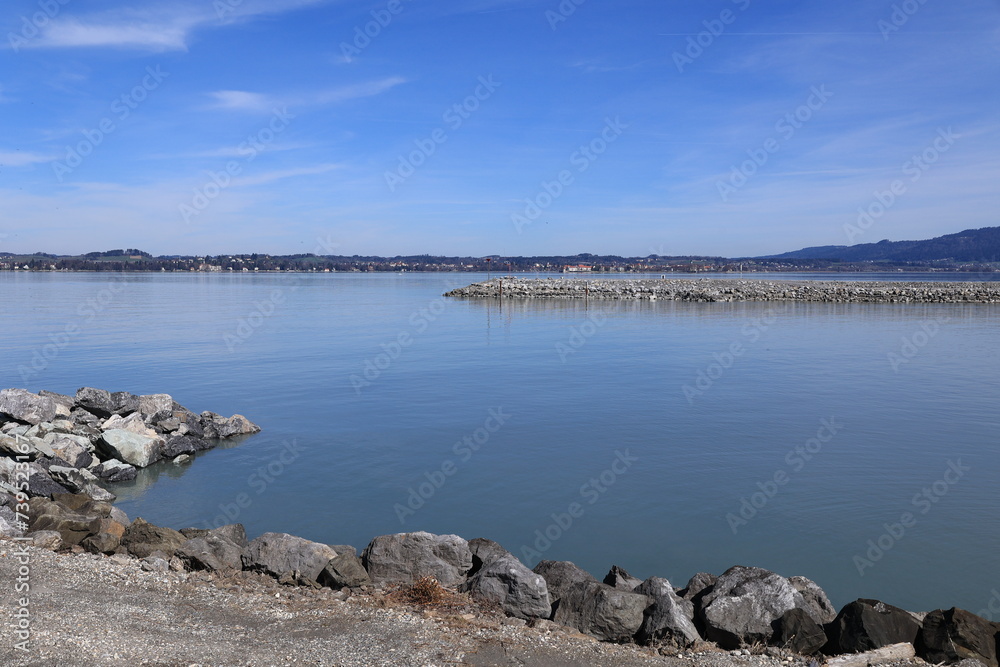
x=359 y=90
x=241 y=100
x=234 y=151
x=282 y=174
x=170 y=36
x=154 y=28
x=21 y=158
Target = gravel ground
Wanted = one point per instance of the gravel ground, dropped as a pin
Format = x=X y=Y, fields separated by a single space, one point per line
x=95 y=610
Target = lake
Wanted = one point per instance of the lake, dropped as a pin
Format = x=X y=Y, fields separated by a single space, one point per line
x=855 y=444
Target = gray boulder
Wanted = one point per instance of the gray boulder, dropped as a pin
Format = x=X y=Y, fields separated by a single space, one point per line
x=484 y=552
x=81 y=481
x=817 y=603
x=618 y=578
x=344 y=571
x=142 y=538
x=95 y=401
x=156 y=407
x=954 y=635
x=47 y=539
x=74 y=517
x=40 y=483
x=744 y=604
x=123 y=403
x=9 y=523
x=281 y=554
x=101 y=543
x=670 y=618
x=407 y=557
x=519 y=591
x=182 y=444
x=114 y=470
x=865 y=625
x=71 y=451
x=601 y=611
x=699 y=584
x=213 y=552
x=236 y=425
x=132 y=448
x=560 y=576
x=798 y=631
x=132 y=422
x=234 y=532
x=23 y=406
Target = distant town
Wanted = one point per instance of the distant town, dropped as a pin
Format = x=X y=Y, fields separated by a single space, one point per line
x=972 y=250
x=137 y=260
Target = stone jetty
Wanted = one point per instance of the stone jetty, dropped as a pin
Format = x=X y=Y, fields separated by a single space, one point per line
x=58 y=452
x=711 y=290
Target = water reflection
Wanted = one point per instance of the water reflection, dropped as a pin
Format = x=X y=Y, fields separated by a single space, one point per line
x=147 y=477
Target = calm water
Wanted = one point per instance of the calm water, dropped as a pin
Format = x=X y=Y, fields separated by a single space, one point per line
x=594 y=410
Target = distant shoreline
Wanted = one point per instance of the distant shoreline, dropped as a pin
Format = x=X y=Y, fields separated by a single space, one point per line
x=712 y=290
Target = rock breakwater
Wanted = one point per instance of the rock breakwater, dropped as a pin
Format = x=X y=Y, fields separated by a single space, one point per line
x=712 y=290
x=54 y=449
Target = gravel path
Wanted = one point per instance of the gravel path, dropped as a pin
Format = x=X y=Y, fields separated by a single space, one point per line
x=712 y=290
x=94 y=610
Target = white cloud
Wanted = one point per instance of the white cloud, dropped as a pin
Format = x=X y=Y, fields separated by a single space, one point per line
x=355 y=91
x=154 y=27
x=241 y=100
x=278 y=175
x=148 y=36
x=20 y=158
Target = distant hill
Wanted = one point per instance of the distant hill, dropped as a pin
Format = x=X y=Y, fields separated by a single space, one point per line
x=972 y=245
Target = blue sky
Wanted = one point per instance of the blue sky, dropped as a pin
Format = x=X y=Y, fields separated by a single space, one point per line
x=516 y=127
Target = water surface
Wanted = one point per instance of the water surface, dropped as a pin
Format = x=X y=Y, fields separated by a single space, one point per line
x=594 y=410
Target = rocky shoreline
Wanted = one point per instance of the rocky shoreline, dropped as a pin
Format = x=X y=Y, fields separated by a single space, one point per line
x=712 y=290
x=55 y=449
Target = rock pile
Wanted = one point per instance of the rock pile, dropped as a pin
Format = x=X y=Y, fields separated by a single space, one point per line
x=55 y=448
x=715 y=290
x=52 y=445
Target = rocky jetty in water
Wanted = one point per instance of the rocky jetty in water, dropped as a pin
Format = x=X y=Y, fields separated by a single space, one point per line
x=726 y=290
x=55 y=450
x=52 y=444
